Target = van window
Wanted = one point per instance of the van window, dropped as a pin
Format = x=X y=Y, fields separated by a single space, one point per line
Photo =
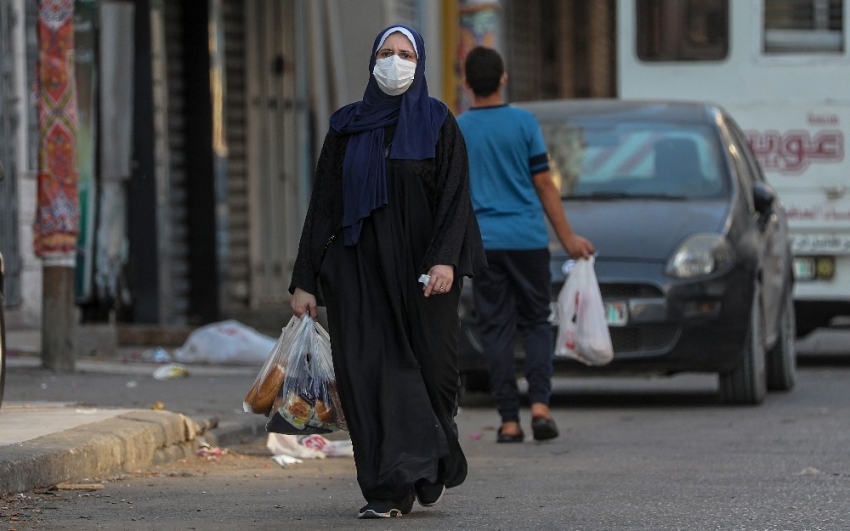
x=803 y=26
x=682 y=30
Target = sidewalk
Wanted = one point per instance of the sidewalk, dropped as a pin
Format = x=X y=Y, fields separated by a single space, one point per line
x=111 y=416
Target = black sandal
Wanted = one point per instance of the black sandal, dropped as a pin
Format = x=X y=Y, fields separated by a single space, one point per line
x=505 y=438
x=543 y=429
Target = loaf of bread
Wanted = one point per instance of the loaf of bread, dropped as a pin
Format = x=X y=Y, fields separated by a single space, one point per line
x=299 y=408
x=260 y=397
x=324 y=412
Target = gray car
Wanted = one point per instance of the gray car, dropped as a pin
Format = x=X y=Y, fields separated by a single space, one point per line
x=693 y=256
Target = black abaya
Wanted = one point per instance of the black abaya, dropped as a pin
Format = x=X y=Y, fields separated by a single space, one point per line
x=394 y=350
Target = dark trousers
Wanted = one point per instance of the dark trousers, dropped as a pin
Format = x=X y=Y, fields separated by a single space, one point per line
x=514 y=293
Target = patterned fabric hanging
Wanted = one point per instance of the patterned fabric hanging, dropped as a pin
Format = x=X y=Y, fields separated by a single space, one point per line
x=57 y=212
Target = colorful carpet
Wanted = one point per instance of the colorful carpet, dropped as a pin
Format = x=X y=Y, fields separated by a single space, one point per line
x=57 y=213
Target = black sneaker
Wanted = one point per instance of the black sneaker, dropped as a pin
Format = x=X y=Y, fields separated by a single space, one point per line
x=379 y=509
x=388 y=508
x=427 y=493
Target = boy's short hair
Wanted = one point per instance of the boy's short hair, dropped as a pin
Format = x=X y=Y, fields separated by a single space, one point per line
x=483 y=70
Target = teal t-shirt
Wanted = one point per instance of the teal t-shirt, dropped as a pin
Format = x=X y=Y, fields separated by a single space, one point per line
x=506 y=148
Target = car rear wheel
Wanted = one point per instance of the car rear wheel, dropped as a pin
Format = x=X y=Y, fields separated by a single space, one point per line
x=747 y=383
x=782 y=358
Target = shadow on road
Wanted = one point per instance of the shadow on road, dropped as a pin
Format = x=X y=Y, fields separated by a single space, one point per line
x=611 y=398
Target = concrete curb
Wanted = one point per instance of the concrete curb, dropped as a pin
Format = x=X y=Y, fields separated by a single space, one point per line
x=232 y=433
x=127 y=442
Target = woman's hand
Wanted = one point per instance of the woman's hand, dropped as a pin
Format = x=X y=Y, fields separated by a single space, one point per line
x=303 y=302
x=442 y=280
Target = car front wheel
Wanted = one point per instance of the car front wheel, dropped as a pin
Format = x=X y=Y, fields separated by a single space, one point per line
x=747 y=383
x=782 y=358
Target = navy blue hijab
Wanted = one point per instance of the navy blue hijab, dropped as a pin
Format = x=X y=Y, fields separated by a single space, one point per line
x=418 y=119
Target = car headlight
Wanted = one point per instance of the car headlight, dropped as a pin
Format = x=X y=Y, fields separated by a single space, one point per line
x=700 y=254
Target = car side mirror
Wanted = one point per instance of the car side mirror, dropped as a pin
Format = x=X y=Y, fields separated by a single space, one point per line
x=763 y=198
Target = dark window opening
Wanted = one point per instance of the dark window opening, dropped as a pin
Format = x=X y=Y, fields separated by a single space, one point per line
x=803 y=26
x=682 y=30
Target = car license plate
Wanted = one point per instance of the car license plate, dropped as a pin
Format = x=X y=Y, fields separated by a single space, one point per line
x=616 y=313
x=804 y=268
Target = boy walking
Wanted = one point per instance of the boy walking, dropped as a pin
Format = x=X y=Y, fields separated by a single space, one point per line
x=511 y=191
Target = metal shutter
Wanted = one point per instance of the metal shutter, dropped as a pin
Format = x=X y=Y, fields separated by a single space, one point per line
x=174 y=247
x=236 y=292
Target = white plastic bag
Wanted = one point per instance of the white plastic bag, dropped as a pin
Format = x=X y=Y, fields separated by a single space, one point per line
x=225 y=343
x=582 y=328
x=289 y=445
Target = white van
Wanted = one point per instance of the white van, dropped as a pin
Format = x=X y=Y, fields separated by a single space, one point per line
x=781 y=68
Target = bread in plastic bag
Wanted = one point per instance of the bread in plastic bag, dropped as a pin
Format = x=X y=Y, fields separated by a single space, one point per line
x=269 y=380
x=308 y=401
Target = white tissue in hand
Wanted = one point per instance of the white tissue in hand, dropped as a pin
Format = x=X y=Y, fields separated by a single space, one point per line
x=425 y=279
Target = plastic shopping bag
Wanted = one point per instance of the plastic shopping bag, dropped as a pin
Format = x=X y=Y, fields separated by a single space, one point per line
x=308 y=401
x=582 y=328
x=269 y=380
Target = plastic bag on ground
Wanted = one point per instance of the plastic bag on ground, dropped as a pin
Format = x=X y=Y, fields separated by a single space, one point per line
x=288 y=445
x=582 y=327
x=225 y=343
x=308 y=401
x=330 y=448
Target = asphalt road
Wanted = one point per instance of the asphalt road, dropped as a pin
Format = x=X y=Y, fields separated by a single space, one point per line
x=634 y=454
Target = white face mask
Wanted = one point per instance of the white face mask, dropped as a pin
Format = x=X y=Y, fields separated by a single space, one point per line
x=394 y=74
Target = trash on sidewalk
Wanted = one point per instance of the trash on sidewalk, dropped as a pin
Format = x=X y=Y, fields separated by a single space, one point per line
x=156 y=355
x=291 y=449
x=172 y=370
x=210 y=453
x=288 y=445
x=330 y=448
x=225 y=343
x=284 y=460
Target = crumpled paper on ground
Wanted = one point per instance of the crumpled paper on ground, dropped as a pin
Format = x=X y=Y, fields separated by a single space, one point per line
x=172 y=370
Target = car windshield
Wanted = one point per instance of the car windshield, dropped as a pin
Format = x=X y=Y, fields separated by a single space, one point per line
x=635 y=160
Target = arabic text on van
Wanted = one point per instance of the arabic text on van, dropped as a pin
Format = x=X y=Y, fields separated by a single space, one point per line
x=817 y=213
x=791 y=152
x=820 y=243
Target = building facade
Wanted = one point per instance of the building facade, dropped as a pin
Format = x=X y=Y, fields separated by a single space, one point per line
x=207 y=119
